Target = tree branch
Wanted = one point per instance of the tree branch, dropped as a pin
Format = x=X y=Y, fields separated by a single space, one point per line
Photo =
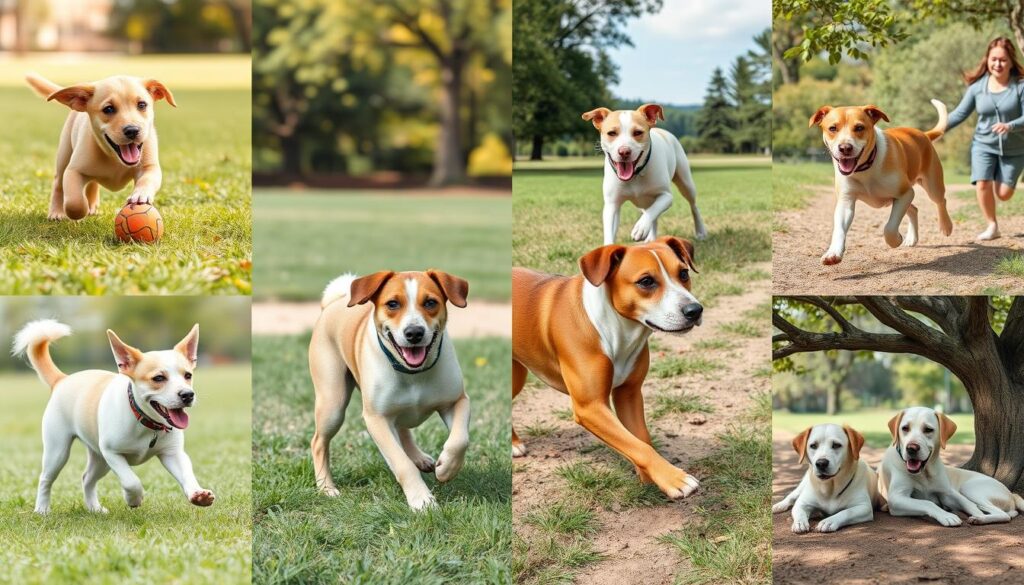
x=824 y=305
x=801 y=341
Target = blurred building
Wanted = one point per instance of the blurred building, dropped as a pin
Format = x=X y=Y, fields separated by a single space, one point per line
x=57 y=25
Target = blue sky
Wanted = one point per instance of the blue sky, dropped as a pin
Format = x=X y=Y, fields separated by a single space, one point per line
x=676 y=50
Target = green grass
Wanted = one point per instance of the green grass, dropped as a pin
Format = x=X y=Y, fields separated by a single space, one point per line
x=551 y=559
x=342 y=231
x=564 y=414
x=368 y=533
x=177 y=72
x=729 y=540
x=713 y=344
x=557 y=218
x=608 y=484
x=679 y=403
x=166 y=540
x=747 y=328
x=1011 y=265
x=873 y=424
x=205 y=156
x=564 y=518
x=671 y=366
x=539 y=430
x=793 y=183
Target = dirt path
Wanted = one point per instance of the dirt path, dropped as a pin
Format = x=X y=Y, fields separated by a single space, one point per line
x=627 y=537
x=890 y=550
x=478 y=319
x=937 y=265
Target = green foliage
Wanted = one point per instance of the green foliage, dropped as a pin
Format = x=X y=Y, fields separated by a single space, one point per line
x=838 y=27
x=183 y=26
x=715 y=124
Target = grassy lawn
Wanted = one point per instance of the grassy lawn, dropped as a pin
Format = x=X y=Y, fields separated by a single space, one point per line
x=873 y=424
x=368 y=534
x=333 y=232
x=167 y=540
x=557 y=218
x=205 y=198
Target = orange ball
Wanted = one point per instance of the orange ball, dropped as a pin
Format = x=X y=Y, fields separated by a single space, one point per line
x=141 y=223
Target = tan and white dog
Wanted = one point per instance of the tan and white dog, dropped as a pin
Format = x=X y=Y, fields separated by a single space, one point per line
x=123 y=419
x=838 y=484
x=880 y=168
x=108 y=140
x=914 y=482
x=586 y=336
x=385 y=332
x=643 y=162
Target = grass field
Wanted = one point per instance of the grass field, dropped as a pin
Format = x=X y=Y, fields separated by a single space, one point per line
x=205 y=198
x=368 y=534
x=167 y=540
x=873 y=424
x=331 y=232
x=557 y=218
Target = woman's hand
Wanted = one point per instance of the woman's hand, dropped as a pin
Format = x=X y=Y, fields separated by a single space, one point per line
x=1001 y=128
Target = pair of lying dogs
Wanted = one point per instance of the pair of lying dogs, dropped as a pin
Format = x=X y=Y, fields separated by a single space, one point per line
x=911 y=479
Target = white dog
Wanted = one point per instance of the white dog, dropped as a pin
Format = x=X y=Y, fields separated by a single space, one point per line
x=914 y=481
x=123 y=419
x=837 y=483
x=643 y=162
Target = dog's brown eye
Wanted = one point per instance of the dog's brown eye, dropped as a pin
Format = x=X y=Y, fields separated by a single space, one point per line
x=647 y=282
x=832 y=128
x=905 y=428
x=684 y=275
x=928 y=430
x=858 y=128
x=108 y=110
x=613 y=133
x=638 y=133
x=160 y=378
x=393 y=305
x=429 y=303
x=814 y=445
x=188 y=375
x=142 y=106
x=837 y=446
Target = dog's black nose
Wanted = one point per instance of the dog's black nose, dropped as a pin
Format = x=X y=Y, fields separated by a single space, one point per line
x=913 y=448
x=187 y=396
x=414 y=333
x=846 y=149
x=693 y=311
x=131 y=132
x=821 y=464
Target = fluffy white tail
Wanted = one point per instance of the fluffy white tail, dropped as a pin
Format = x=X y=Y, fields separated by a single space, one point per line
x=940 y=126
x=34 y=341
x=339 y=288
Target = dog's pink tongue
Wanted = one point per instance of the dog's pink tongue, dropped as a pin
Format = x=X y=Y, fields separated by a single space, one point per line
x=625 y=170
x=414 y=356
x=847 y=164
x=178 y=416
x=913 y=465
x=130 y=152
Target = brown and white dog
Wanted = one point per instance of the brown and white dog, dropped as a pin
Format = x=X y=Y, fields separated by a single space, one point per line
x=385 y=332
x=108 y=140
x=586 y=336
x=643 y=162
x=123 y=419
x=880 y=168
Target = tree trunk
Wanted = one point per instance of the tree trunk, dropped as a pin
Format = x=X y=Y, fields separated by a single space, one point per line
x=537 y=152
x=449 y=166
x=832 y=400
x=291 y=151
x=1016 y=19
x=998 y=422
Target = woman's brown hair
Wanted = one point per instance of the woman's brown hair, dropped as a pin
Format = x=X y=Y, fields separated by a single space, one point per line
x=982 y=68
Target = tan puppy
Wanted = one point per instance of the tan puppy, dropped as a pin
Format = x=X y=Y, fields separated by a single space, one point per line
x=385 y=332
x=880 y=168
x=108 y=140
x=123 y=419
x=586 y=336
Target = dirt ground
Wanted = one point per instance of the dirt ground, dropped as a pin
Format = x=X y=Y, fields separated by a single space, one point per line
x=627 y=537
x=890 y=550
x=937 y=265
x=478 y=319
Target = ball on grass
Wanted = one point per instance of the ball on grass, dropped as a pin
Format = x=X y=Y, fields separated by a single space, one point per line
x=141 y=223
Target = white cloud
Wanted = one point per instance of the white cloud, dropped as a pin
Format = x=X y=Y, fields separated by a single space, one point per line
x=703 y=20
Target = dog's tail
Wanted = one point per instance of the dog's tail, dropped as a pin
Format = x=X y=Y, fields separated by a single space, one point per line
x=34 y=341
x=339 y=288
x=44 y=87
x=940 y=126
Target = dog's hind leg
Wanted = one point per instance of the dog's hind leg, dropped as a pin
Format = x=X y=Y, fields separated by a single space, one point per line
x=63 y=157
x=518 y=381
x=935 y=186
x=75 y=204
x=423 y=462
x=911 y=238
x=92 y=196
x=333 y=383
x=56 y=448
x=95 y=468
x=900 y=205
x=684 y=181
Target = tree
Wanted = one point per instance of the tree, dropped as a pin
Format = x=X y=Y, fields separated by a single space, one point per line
x=977 y=13
x=749 y=92
x=836 y=27
x=714 y=123
x=978 y=339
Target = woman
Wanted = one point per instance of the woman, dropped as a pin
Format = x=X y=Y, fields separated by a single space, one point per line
x=996 y=91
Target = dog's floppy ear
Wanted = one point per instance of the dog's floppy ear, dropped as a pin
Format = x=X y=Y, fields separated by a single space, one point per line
x=819 y=115
x=800 y=444
x=856 y=441
x=597 y=265
x=946 y=429
x=682 y=248
x=363 y=289
x=189 y=346
x=75 y=97
x=653 y=113
x=597 y=116
x=875 y=113
x=159 y=91
x=126 y=356
x=894 y=427
x=455 y=288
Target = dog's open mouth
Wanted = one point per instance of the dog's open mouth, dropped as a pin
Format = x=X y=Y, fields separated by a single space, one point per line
x=682 y=329
x=847 y=164
x=915 y=465
x=176 y=417
x=416 y=355
x=625 y=170
x=130 y=154
x=825 y=475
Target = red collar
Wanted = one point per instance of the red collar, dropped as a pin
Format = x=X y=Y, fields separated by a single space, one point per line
x=141 y=416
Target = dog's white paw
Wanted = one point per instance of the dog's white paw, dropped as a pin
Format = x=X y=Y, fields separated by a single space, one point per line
x=910 y=240
x=832 y=257
x=642 y=229
x=202 y=498
x=780 y=507
x=949 y=519
x=97 y=508
x=42 y=510
x=448 y=465
x=827 y=525
x=330 y=491
x=690 y=485
x=701 y=234
x=801 y=526
x=139 y=199
x=518 y=450
x=421 y=501
x=133 y=497
x=423 y=462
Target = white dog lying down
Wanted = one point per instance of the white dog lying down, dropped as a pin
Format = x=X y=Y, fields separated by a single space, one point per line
x=914 y=482
x=837 y=484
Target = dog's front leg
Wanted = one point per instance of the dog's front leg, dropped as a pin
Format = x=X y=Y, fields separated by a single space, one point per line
x=900 y=206
x=788 y=501
x=456 y=418
x=902 y=504
x=76 y=206
x=131 y=485
x=646 y=228
x=179 y=465
x=146 y=185
x=801 y=517
x=841 y=222
x=611 y=220
x=852 y=515
x=383 y=432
